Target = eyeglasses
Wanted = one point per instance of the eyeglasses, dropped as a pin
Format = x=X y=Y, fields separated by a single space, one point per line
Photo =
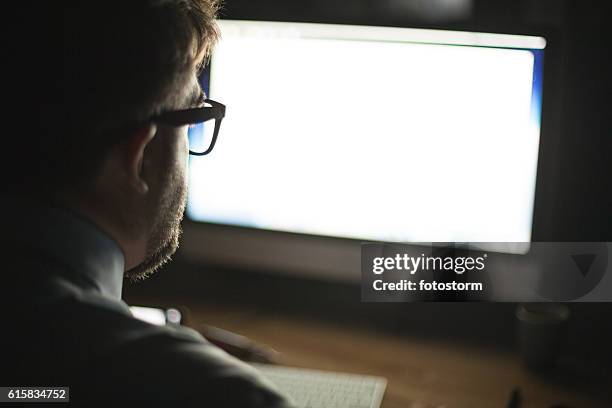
x=202 y=138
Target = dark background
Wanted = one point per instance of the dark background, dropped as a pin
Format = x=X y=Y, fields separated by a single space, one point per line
x=573 y=200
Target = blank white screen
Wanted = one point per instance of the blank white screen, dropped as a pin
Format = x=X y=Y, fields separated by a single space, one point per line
x=369 y=138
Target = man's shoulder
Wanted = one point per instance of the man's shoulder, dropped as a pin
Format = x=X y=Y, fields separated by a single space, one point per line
x=106 y=355
x=178 y=366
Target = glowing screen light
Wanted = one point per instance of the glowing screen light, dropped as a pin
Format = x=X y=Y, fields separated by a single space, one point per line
x=373 y=133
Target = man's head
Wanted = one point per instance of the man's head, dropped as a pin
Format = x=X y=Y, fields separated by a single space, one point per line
x=120 y=64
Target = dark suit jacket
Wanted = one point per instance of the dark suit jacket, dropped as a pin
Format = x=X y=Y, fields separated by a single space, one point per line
x=66 y=325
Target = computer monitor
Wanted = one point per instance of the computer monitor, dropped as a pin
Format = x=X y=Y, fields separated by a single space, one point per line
x=338 y=134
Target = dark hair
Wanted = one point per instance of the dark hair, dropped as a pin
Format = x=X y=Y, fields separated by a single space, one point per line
x=116 y=62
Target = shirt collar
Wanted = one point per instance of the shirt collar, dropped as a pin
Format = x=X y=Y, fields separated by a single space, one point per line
x=71 y=239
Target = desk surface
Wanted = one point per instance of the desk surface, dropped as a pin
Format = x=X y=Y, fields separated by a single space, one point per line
x=420 y=373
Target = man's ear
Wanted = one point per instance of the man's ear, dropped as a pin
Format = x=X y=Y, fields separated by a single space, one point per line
x=136 y=145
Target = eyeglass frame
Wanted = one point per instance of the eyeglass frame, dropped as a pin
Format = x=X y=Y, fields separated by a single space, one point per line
x=193 y=116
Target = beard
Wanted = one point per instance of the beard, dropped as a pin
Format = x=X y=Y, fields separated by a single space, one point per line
x=166 y=230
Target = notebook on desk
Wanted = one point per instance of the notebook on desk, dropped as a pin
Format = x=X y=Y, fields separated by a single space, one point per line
x=326 y=389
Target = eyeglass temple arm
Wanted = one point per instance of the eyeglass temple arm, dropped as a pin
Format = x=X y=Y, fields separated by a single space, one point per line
x=193 y=115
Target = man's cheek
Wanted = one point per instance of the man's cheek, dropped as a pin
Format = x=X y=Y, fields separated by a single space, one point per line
x=184 y=149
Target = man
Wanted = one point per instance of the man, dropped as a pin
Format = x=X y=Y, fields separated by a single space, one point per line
x=98 y=195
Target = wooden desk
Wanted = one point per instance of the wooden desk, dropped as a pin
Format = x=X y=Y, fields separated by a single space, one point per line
x=421 y=373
